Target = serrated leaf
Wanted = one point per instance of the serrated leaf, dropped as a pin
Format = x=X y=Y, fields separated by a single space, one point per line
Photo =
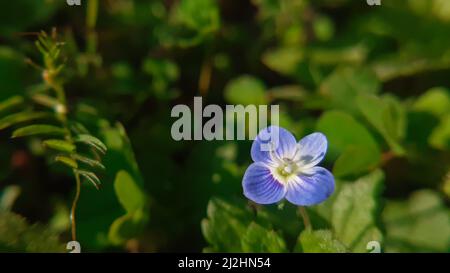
x=91 y=141
x=40 y=129
x=66 y=161
x=257 y=239
x=91 y=177
x=21 y=117
x=354 y=212
x=225 y=225
x=318 y=241
x=130 y=195
x=89 y=161
x=11 y=103
x=60 y=145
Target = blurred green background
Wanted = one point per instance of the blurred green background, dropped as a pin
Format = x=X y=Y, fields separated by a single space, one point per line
x=374 y=79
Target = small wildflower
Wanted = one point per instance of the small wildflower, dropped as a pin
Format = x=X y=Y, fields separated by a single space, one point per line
x=288 y=170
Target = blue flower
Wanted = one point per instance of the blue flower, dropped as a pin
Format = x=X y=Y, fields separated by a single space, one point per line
x=283 y=168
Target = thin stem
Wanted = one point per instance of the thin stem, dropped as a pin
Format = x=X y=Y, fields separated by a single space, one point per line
x=91 y=22
x=61 y=94
x=305 y=217
x=74 y=207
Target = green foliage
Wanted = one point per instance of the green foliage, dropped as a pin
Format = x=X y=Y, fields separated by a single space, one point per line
x=355 y=212
x=419 y=224
x=245 y=90
x=16 y=235
x=388 y=116
x=351 y=141
x=260 y=240
x=373 y=80
x=232 y=228
x=344 y=85
x=318 y=241
x=190 y=22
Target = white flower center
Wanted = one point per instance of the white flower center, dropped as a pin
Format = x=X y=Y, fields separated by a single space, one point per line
x=284 y=169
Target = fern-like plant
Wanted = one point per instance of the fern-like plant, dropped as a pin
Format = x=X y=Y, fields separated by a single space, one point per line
x=43 y=112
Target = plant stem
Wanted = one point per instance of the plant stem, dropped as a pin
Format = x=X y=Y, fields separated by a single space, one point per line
x=305 y=217
x=74 y=207
x=91 y=21
x=61 y=95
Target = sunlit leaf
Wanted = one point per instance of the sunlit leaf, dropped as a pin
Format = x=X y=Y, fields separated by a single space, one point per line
x=11 y=103
x=89 y=161
x=245 y=90
x=91 y=177
x=91 y=141
x=71 y=163
x=38 y=129
x=129 y=193
x=60 y=145
x=21 y=117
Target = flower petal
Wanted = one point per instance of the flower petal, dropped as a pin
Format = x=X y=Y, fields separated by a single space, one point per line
x=312 y=189
x=311 y=150
x=274 y=138
x=260 y=186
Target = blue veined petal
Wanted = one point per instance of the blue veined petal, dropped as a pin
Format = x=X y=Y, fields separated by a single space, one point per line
x=260 y=186
x=311 y=150
x=312 y=189
x=284 y=143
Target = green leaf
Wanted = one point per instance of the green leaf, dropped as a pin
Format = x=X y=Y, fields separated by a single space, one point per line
x=129 y=193
x=94 y=222
x=246 y=90
x=348 y=140
x=40 y=129
x=435 y=101
x=91 y=141
x=11 y=103
x=91 y=177
x=387 y=115
x=67 y=161
x=127 y=226
x=16 y=235
x=187 y=26
x=260 y=240
x=318 y=241
x=21 y=117
x=284 y=60
x=419 y=224
x=60 y=145
x=345 y=84
x=355 y=211
x=225 y=225
x=47 y=101
x=89 y=161
x=440 y=137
